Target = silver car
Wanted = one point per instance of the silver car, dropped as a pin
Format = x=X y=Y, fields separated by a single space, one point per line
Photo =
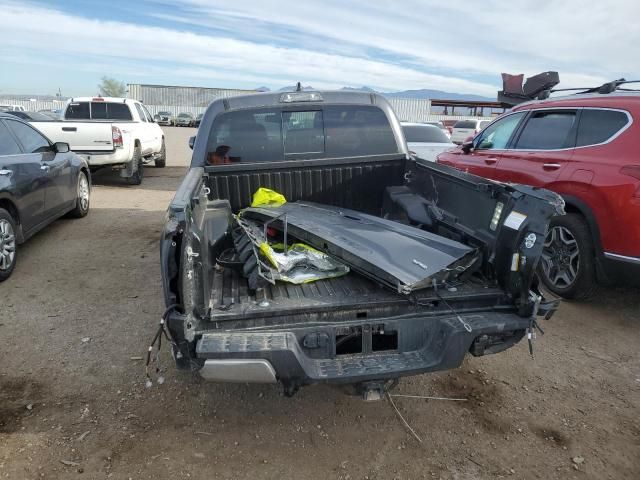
x=165 y=118
x=185 y=120
x=425 y=141
x=467 y=128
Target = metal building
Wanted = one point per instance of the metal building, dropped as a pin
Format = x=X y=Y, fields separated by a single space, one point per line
x=182 y=96
x=195 y=100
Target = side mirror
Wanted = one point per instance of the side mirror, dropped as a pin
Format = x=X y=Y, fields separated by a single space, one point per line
x=192 y=140
x=61 y=147
x=467 y=146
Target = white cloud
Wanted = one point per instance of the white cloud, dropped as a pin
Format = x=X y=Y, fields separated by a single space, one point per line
x=111 y=45
x=581 y=40
x=451 y=46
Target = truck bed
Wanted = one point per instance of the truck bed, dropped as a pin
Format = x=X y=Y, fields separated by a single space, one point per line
x=351 y=295
x=337 y=299
x=82 y=136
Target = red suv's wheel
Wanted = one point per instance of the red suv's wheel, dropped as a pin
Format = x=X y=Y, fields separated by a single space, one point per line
x=567 y=262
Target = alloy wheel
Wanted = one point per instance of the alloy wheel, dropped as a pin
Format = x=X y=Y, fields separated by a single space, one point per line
x=83 y=192
x=560 y=257
x=7 y=245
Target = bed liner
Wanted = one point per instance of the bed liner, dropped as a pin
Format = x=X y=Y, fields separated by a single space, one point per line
x=343 y=298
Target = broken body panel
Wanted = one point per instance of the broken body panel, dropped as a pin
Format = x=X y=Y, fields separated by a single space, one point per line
x=355 y=328
x=399 y=256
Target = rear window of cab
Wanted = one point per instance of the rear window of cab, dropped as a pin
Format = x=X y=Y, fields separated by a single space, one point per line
x=314 y=132
x=98 y=111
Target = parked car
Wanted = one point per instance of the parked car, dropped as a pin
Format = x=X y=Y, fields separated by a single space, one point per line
x=31 y=116
x=40 y=181
x=387 y=216
x=185 y=120
x=165 y=118
x=425 y=141
x=12 y=108
x=198 y=119
x=441 y=126
x=117 y=133
x=584 y=147
x=463 y=129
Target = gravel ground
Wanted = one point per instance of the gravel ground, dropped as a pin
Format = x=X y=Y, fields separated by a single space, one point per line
x=85 y=299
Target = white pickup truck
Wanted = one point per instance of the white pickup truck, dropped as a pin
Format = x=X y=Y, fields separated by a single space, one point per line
x=110 y=132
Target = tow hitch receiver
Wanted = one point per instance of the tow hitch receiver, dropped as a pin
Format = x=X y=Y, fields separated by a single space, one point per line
x=375 y=390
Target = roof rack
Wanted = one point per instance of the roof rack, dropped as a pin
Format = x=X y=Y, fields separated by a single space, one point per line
x=541 y=86
x=604 y=89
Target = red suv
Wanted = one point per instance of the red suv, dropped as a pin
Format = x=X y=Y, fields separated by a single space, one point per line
x=585 y=147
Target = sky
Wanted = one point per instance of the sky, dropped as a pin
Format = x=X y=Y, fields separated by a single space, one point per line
x=457 y=46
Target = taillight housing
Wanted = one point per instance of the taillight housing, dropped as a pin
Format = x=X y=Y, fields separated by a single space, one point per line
x=116 y=136
x=632 y=171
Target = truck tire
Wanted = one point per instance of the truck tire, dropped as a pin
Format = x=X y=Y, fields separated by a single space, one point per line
x=83 y=195
x=161 y=161
x=8 y=244
x=567 y=264
x=136 y=178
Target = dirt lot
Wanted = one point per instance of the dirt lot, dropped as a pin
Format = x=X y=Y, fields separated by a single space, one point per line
x=85 y=298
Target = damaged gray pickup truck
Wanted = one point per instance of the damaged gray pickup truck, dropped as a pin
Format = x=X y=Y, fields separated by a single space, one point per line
x=379 y=265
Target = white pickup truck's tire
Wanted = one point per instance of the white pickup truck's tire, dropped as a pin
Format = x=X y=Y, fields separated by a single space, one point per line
x=161 y=161
x=138 y=174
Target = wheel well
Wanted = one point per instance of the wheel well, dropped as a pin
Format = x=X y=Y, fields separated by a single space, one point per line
x=569 y=208
x=11 y=208
x=575 y=206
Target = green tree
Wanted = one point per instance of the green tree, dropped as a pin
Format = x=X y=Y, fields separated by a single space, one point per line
x=110 y=87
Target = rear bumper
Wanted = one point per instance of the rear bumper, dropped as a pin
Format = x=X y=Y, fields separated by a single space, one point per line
x=97 y=159
x=303 y=356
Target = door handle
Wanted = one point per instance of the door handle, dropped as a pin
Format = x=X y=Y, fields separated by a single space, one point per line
x=551 y=166
x=6 y=173
x=69 y=129
x=490 y=160
x=46 y=168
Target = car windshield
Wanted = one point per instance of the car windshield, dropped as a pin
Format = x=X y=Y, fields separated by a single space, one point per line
x=184 y=115
x=33 y=116
x=164 y=113
x=465 y=124
x=22 y=115
x=424 y=134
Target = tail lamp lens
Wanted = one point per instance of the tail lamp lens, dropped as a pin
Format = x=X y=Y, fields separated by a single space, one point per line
x=116 y=136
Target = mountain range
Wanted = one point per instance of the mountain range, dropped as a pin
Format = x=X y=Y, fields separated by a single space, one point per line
x=422 y=93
